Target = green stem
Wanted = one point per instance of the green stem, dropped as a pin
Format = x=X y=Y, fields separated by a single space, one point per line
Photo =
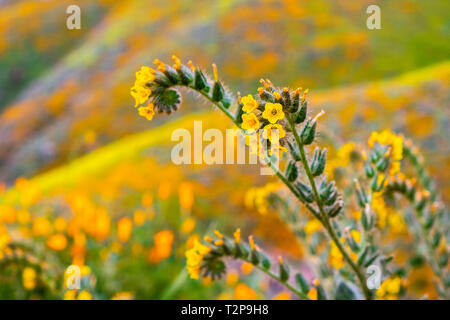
x=277 y=171
x=325 y=219
x=322 y=217
x=284 y=283
x=422 y=235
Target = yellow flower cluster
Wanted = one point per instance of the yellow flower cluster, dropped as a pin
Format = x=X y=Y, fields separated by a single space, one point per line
x=336 y=258
x=386 y=137
x=342 y=158
x=29 y=278
x=194 y=258
x=256 y=198
x=389 y=289
x=140 y=92
x=273 y=112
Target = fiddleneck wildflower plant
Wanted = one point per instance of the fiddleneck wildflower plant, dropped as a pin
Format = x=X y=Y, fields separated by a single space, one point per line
x=276 y=126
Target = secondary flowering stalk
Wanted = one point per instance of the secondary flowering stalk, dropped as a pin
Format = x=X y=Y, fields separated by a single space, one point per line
x=283 y=108
x=276 y=125
x=207 y=259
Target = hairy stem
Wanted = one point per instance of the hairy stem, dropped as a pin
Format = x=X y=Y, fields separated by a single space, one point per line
x=321 y=215
x=284 y=283
x=324 y=217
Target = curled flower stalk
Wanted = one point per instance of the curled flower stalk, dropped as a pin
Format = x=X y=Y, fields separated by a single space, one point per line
x=207 y=259
x=275 y=125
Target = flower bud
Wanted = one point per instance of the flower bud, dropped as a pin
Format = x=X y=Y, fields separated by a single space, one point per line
x=382 y=164
x=308 y=132
x=266 y=96
x=305 y=192
x=265 y=262
x=287 y=99
x=291 y=171
x=301 y=114
x=331 y=198
x=335 y=209
x=239 y=113
x=185 y=74
x=318 y=161
x=435 y=240
x=293 y=148
x=320 y=292
x=368 y=169
x=254 y=256
x=326 y=190
x=366 y=218
x=218 y=92
x=301 y=283
x=360 y=194
x=172 y=75
x=363 y=256
x=161 y=80
x=429 y=222
x=375 y=186
x=200 y=82
x=284 y=270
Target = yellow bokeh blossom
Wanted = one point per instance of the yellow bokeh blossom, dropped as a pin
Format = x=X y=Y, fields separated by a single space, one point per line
x=124 y=228
x=57 y=242
x=29 y=276
x=389 y=289
x=244 y=292
x=187 y=226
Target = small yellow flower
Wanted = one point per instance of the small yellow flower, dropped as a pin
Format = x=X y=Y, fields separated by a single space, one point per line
x=356 y=235
x=282 y=296
x=312 y=226
x=273 y=112
x=140 y=94
x=386 y=137
x=244 y=292
x=250 y=103
x=144 y=75
x=232 y=278
x=70 y=295
x=194 y=258
x=84 y=295
x=187 y=226
x=123 y=295
x=250 y=122
x=277 y=150
x=312 y=294
x=389 y=288
x=246 y=268
x=29 y=278
x=251 y=242
x=237 y=235
x=148 y=112
x=267 y=133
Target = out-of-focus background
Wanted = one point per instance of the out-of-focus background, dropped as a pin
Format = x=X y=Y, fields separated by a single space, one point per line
x=84 y=180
